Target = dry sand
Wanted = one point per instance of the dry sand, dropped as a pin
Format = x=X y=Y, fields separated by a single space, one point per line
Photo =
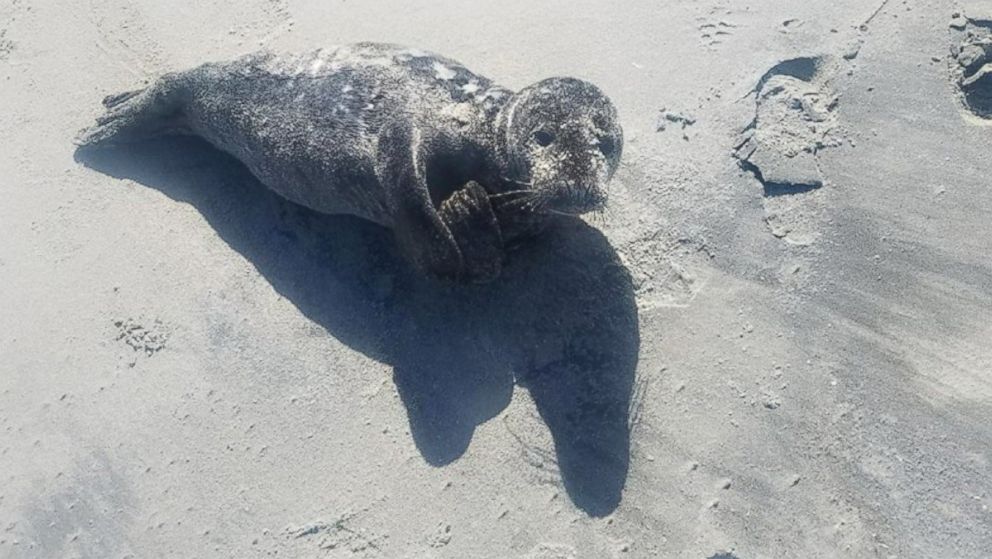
x=796 y=366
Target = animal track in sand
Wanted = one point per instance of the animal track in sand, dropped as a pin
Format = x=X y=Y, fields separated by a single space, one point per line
x=148 y=340
x=971 y=62
x=9 y=15
x=790 y=25
x=533 y=445
x=341 y=534
x=716 y=25
x=668 y=118
x=715 y=33
x=6 y=45
x=441 y=536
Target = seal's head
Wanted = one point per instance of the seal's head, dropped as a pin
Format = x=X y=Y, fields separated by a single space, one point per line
x=561 y=137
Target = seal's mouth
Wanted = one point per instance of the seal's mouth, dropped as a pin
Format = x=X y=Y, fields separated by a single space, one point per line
x=562 y=201
x=577 y=201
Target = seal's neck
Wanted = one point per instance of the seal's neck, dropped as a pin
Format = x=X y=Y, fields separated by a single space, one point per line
x=501 y=173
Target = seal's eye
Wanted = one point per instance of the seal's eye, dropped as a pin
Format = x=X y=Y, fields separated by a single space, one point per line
x=543 y=138
x=607 y=146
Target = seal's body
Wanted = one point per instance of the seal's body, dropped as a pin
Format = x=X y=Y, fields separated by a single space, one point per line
x=393 y=135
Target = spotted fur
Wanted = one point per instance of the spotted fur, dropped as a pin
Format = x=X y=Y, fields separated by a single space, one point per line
x=390 y=134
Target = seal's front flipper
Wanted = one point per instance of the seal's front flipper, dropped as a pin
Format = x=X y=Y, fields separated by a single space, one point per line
x=422 y=236
x=471 y=220
x=136 y=115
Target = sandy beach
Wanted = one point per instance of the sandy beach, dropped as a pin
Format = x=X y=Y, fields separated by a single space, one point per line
x=776 y=342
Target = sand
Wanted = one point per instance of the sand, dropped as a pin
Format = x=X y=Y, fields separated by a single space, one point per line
x=775 y=343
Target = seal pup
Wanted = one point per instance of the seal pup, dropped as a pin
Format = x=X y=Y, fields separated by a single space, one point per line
x=457 y=166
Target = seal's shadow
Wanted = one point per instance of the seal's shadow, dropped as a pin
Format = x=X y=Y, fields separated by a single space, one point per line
x=561 y=321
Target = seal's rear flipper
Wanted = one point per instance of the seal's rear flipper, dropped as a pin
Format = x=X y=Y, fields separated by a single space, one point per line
x=137 y=115
x=117 y=98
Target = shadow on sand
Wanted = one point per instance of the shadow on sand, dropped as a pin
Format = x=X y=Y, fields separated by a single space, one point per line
x=561 y=321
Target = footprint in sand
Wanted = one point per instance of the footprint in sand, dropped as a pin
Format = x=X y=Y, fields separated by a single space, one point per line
x=971 y=61
x=795 y=119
